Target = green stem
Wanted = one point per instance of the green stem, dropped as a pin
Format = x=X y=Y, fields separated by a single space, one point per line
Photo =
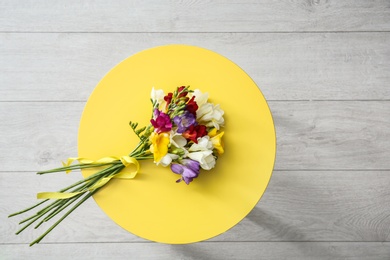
x=61 y=204
x=95 y=175
x=144 y=158
x=25 y=210
x=75 y=167
x=140 y=153
x=63 y=217
x=27 y=219
x=55 y=204
x=82 y=186
x=59 y=208
x=51 y=205
x=28 y=224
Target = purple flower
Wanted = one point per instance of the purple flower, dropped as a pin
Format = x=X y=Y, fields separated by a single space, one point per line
x=162 y=122
x=188 y=169
x=184 y=121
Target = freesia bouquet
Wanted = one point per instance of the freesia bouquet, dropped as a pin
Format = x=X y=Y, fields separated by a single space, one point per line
x=185 y=133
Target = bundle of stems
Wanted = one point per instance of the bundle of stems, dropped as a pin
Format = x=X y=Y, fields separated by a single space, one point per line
x=82 y=190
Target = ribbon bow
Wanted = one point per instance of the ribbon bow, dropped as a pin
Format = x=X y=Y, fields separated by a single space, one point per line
x=125 y=173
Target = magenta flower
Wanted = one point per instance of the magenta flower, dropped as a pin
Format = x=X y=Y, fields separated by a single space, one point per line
x=162 y=122
x=184 y=121
x=188 y=169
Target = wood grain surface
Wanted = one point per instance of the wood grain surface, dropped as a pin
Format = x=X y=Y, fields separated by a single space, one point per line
x=323 y=66
x=194 y=16
x=288 y=66
x=206 y=250
x=332 y=207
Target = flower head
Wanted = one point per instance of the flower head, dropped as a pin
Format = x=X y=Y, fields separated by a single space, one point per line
x=184 y=121
x=168 y=158
x=181 y=92
x=159 y=146
x=204 y=144
x=162 y=122
x=217 y=142
x=200 y=98
x=210 y=115
x=177 y=139
x=194 y=132
x=202 y=152
x=206 y=159
x=168 y=98
x=192 y=106
x=157 y=95
x=188 y=169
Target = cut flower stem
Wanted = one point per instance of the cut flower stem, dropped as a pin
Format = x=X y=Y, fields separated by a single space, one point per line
x=84 y=188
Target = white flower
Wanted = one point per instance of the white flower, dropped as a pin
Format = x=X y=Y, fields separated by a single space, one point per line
x=210 y=115
x=167 y=159
x=205 y=158
x=203 y=153
x=200 y=98
x=157 y=95
x=204 y=144
x=207 y=113
x=177 y=139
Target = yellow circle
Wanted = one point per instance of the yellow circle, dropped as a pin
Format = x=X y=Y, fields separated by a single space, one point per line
x=152 y=205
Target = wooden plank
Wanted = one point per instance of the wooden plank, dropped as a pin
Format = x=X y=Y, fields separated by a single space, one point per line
x=193 y=16
x=332 y=135
x=285 y=66
x=317 y=135
x=297 y=206
x=38 y=135
x=236 y=251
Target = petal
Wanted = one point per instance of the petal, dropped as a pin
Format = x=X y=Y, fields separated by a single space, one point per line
x=166 y=160
x=178 y=140
x=191 y=164
x=157 y=95
x=186 y=180
x=212 y=133
x=217 y=142
x=177 y=168
x=203 y=111
x=199 y=156
x=200 y=98
x=160 y=146
x=209 y=162
x=203 y=144
x=188 y=173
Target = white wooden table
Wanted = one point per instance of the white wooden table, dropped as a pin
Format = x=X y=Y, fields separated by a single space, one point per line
x=324 y=67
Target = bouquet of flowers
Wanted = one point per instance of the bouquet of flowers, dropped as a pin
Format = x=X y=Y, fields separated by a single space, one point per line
x=185 y=133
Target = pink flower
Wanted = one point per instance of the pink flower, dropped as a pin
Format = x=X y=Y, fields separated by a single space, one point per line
x=162 y=122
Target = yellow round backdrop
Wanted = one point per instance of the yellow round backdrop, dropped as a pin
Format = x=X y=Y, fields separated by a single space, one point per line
x=152 y=205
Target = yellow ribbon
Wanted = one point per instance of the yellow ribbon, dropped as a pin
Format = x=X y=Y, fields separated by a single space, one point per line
x=126 y=160
x=123 y=174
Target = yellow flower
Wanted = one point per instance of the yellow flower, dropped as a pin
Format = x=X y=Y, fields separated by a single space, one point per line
x=159 y=146
x=212 y=132
x=217 y=142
